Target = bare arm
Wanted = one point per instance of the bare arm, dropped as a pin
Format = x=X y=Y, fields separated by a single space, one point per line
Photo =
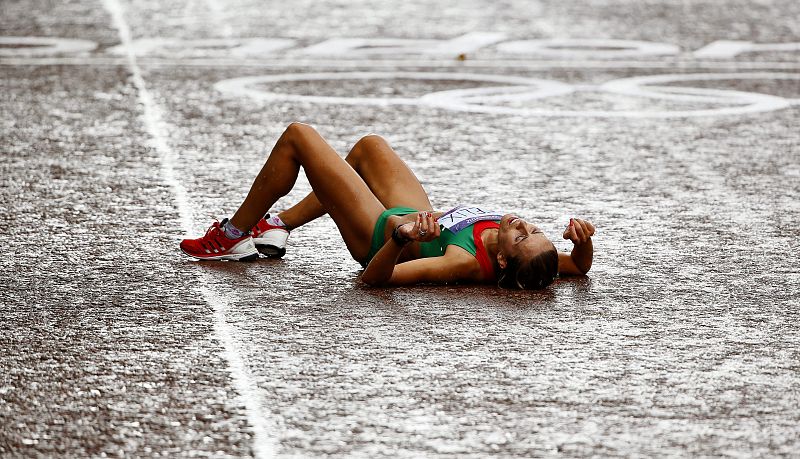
x=579 y=261
x=383 y=269
x=437 y=270
x=380 y=268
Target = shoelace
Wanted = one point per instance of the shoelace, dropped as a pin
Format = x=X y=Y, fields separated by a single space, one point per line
x=208 y=241
x=212 y=227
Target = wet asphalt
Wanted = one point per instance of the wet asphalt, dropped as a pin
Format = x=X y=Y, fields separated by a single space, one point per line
x=682 y=341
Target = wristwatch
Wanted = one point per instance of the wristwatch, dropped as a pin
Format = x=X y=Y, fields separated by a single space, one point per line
x=399 y=238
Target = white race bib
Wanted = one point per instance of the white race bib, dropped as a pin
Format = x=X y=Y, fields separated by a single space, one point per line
x=462 y=216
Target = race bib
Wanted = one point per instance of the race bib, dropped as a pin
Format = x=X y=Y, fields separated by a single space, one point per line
x=462 y=216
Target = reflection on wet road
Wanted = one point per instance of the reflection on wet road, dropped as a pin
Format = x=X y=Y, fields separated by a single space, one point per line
x=683 y=341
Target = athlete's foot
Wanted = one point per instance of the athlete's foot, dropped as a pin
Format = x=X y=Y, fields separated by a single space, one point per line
x=270 y=240
x=216 y=246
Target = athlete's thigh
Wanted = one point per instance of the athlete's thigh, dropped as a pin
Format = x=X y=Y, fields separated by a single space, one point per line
x=388 y=176
x=341 y=191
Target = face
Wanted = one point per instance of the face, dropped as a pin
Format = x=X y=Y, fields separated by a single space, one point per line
x=520 y=239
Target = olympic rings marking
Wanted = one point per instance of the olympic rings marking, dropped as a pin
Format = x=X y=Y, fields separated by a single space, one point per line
x=515 y=89
x=244 y=86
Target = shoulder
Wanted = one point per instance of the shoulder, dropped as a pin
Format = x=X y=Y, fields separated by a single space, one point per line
x=464 y=262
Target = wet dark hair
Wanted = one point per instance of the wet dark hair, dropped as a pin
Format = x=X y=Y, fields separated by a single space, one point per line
x=534 y=274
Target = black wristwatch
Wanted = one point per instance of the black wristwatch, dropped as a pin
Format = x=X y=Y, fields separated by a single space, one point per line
x=399 y=238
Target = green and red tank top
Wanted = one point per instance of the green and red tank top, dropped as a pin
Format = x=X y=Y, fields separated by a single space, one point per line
x=462 y=226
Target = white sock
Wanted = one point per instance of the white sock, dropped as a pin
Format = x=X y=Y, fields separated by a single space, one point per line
x=230 y=231
x=275 y=220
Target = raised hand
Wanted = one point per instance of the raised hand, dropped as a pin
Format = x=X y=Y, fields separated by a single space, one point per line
x=579 y=231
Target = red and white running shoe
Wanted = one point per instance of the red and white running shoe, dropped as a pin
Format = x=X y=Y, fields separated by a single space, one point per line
x=216 y=246
x=270 y=240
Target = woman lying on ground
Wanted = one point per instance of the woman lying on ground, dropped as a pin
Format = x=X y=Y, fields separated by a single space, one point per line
x=387 y=222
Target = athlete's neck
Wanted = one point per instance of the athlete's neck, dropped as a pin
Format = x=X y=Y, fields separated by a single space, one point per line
x=490 y=238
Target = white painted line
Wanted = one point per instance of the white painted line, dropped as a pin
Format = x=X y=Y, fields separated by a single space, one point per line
x=264 y=443
x=352 y=47
x=43 y=46
x=487 y=63
x=581 y=48
x=465 y=44
x=264 y=431
x=739 y=102
x=527 y=89
x=366 y=46
x=261 y=47
x=727 y=49
x=245 y=86
x=515 y=89
x=722 y=49
x=178 y=48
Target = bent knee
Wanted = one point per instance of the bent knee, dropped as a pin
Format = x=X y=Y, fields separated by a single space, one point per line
x=368 y=147
x=298 y=128
x=370 y=141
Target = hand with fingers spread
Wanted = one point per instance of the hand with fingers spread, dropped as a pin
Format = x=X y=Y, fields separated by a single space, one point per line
x=579 y=231
x=424 y=229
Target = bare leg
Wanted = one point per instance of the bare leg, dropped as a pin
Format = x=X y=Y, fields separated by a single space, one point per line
x=386 y=175
x=308 y=209
x=337 y=187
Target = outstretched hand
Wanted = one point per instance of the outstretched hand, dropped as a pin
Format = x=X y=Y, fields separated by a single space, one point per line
x=425 y=228
x=579 y=231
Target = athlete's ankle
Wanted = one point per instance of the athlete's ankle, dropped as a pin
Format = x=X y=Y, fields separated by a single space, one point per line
x=276 y=220
x=230 y=231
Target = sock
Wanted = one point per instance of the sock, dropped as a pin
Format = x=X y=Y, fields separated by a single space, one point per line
x=275 y=221
x=231 y=232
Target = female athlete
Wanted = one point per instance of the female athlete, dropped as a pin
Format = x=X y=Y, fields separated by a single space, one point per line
x=387 y=222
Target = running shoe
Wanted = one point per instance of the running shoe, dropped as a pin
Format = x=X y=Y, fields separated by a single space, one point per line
x=216 y=246
x=270 y=240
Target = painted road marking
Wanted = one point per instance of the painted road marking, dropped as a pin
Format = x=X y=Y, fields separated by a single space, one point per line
x=397 y=48
x=188 y=48
x=750 y=102
x=466 y=43
x=43 y=46
x=515 y=89
x=581 y=48
x=264 y=443
x=245 y=86
x=281 y=63
x=727 y=49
